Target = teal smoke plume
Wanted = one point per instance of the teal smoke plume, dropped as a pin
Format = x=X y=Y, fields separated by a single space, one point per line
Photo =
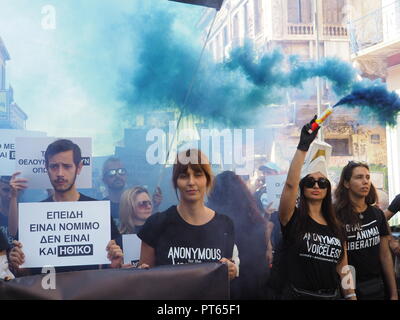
x=375 y=100
x=230 y=92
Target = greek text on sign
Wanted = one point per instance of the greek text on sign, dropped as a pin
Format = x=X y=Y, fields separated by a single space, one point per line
x=64 y=233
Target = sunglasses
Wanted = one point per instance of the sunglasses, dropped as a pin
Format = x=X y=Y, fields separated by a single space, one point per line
x=144 y=204
x=322 y=182
x=114 y=172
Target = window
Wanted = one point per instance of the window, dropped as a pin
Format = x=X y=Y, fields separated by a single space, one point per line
x=340 y=147
x=299 y=11
x=333 y=11
x=225 y=33
x=235 y=35
x=257 y=16
x=375 y=139
x=246 y=19
x=2 y=77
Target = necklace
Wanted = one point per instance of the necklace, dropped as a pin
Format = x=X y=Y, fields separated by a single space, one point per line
x=361 y=216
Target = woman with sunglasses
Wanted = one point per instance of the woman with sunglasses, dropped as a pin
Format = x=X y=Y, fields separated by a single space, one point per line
x=134 y=209
x=367 y=233
x=313 y=241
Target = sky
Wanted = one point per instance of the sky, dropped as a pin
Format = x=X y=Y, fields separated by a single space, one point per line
x=68 y=76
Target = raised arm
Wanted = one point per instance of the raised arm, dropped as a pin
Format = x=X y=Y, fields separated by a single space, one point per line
x=289 y=193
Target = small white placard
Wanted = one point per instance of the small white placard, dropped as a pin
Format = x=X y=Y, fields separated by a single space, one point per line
x=274 y=187
x=131 y=247
x=8 y=148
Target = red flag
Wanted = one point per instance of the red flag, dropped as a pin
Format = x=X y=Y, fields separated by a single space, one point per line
x=205 y=3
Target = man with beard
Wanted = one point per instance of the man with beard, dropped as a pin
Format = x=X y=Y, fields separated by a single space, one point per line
x=63 y=162
x=114 y=177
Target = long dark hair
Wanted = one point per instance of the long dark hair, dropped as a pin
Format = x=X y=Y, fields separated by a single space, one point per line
x=344 y=207
x=231 y=196
x=327 y=212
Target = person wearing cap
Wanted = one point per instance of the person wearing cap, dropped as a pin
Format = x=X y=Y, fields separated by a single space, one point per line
x=313 y=240
x=368 y=234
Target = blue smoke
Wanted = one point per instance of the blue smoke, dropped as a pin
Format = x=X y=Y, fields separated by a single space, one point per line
x=375 y=101
x=229 y=93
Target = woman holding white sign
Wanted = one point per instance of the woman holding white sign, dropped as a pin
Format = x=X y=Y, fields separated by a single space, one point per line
x=313 y=240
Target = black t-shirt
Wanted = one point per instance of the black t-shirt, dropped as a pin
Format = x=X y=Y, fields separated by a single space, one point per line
x=311 y=259
x=176 y=242
x=276 y=235
x=395 y=204
x=4 y=228
x=363 y=242
x=114 y=211
x=4 y=245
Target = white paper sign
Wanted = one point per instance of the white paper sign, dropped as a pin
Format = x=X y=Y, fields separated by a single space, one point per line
x=8 y=148
x=274 y=187
x=131 y=247
x=31 y=163
x=64 y=233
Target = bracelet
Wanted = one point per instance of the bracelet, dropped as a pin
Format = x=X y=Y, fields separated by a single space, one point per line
x=350 y=295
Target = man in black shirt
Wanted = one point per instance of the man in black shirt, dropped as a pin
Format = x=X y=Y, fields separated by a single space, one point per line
x=114 y=178
x=63 y=162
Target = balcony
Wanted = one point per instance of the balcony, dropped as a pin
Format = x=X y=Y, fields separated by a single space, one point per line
x=300 y=29
x=378 y=28
x=334 y=30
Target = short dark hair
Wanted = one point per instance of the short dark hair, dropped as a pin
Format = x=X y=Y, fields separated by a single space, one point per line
x=197 y=161
x=63 y=145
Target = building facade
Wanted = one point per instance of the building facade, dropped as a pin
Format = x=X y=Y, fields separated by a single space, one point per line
x=296 y=26
x=375 y=45
x=11 y=115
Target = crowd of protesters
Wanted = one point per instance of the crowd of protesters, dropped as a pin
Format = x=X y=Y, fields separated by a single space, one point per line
x=306 y=247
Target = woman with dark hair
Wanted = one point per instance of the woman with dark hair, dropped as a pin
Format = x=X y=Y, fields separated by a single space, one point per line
x=367 y=233
x=189 y=232
x=313 y=240
x=230 y=196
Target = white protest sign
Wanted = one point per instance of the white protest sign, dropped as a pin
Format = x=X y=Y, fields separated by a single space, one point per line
x=64 y=233
x=274 y=187
x=131 y=247
x=8 y=148
x=31 y=163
